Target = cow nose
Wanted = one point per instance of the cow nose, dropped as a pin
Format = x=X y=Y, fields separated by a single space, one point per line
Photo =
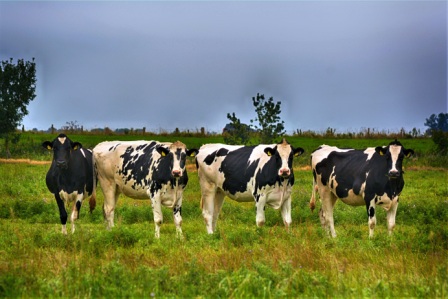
x=285 y=172
x=394 y=173
x=61 y=163
x=176 y=173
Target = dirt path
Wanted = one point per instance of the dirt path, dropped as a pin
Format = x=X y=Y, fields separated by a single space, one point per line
x=24 y=161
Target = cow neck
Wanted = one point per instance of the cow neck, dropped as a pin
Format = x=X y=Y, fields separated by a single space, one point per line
x=377 y=166
x=396 y=186
x=285 y=183
x=64 y=176
x=176 y=190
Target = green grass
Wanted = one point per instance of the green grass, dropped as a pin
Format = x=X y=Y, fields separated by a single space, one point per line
x=239 y=260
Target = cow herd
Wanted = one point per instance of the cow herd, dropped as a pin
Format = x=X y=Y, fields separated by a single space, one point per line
x=262 y=174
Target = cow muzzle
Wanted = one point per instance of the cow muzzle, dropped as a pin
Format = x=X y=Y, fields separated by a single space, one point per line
x=284 y=172
x=394 y=174
x=176 y=173
x=61 y=164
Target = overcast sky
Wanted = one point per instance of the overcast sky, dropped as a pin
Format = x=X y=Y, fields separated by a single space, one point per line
x=348 y=65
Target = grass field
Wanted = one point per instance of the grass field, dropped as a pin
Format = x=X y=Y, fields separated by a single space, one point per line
x=240 y=260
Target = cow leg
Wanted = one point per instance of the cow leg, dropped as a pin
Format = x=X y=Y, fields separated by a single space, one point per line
x=208 y=191
x=286 y=212
x=111 y=194
x=328 y=200
x=157 y=212
x=260 y=219
x=371 y=214
x=313 y=196
x=391 y=213
x=75 y=210
x=219 y=200
x=62 y=213
x=177 y=215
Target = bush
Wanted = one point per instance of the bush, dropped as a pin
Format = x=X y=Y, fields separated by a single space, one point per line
x=440 y=138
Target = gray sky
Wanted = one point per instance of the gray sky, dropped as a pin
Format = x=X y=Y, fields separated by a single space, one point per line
x=348 y=65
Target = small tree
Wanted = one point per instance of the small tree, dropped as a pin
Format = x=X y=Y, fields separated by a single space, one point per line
x=17 y=89
x=438 y=128
x=268 y=116
x=71 y=127
x=239 y=132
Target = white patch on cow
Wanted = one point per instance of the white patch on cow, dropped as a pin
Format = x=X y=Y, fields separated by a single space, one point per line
x=385 y=201
x=352 y=199
x=323 y=152
x=68 y=197
x=259 y=154
x=332 y=182
x=62 y=139
x=176 y=161
x=82 y=152
x=394 y=152
x=369 y=152
x=284 y=150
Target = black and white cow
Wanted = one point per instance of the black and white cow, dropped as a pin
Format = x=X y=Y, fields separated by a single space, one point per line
x=261 y=173
x=71 y=176
x=143 y=170
x=369 y=177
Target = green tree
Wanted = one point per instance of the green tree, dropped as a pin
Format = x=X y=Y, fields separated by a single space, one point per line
x=437 y=122
x=438 y=128
x=17 y=89
x=268 y=116
x=238 y=133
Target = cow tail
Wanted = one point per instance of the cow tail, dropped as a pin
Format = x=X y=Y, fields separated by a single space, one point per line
x=92 y=200
x=313 y=196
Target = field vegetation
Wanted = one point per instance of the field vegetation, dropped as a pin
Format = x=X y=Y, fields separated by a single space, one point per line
x=240 y=260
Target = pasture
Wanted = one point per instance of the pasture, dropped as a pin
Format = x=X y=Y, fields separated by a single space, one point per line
x=240 y=260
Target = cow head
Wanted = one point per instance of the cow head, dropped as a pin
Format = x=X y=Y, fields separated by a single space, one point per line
x=394 y=154
x=283 y=154
x=177 y=154
x=62 y=147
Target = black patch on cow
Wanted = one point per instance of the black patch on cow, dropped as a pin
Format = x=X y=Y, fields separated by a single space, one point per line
x=177 y=209
x=210 y=158
x=112 y=148
x=371 y=212
x=237 y=171
x=219 y=153
x=78 y=207
x=349 y=169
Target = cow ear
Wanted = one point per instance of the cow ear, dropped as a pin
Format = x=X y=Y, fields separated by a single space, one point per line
x=48 y=145
x=192 y=152
x=162 y=151
x=380 y=150
x=298 y=151
x=76 y=146
x=408 y=153
x=269 y=151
